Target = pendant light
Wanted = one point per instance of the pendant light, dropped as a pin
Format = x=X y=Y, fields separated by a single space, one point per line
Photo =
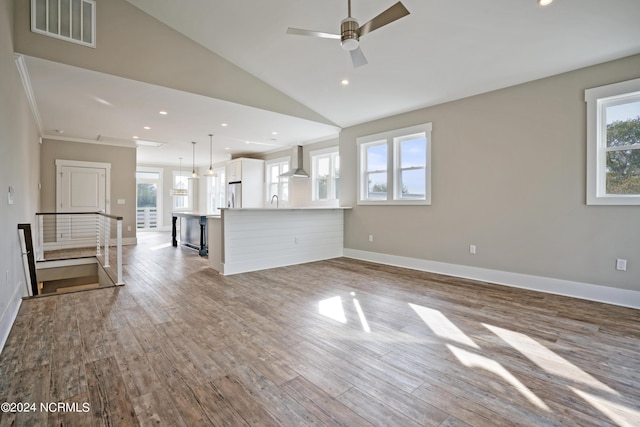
x=210 y=172
x=194 y=175
x=179 y=191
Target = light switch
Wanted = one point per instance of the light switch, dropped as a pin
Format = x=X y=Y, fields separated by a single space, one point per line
x=10 y=196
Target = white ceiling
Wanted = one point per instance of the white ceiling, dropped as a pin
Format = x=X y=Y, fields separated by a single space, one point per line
x=444 y=50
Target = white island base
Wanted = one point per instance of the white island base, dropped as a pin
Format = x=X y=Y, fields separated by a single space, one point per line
x=243 y=240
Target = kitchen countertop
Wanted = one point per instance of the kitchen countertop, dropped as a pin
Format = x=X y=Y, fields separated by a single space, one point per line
x=288 y=208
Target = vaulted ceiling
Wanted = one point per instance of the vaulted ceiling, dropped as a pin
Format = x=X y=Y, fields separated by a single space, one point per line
x=441 y=51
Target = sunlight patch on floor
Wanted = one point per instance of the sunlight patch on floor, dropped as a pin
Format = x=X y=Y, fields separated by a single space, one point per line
x=619 y=414
x=472 y=360
x=332 y=308
x=442 y=326
x=547 y=359
x=156 y=248
x=363 y=319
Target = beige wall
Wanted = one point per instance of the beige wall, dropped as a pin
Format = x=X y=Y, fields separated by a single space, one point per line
x=509 y=172
x=134 y=45
x=123 y=178
x=19 y=168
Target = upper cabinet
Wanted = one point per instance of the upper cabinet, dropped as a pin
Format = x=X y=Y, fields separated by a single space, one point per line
x=247 y=171
x=251 y=173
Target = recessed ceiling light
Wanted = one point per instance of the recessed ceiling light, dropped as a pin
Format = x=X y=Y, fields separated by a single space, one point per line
x=164 y=113
x=344 y=82
x=147 y=127
x=274 y=133
x=135 y=137
x=224 y=125
x=227 y=148
x=544 y=2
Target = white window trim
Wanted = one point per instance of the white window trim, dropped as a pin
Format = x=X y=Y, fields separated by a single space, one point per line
x=331 y=189
x=267 y=179
x=70 y=39
x=392 y=165
x=596 y=99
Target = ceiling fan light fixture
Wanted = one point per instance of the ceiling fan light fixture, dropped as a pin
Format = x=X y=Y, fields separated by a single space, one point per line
x=349 y=34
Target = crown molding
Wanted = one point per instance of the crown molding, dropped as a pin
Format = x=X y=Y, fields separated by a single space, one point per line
x=26 y=83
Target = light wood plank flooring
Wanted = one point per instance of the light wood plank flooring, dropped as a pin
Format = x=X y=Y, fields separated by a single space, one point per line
x=336 y=343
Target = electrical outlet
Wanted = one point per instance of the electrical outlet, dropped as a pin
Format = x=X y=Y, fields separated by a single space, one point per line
x=371 y=237
x=621 y=264
x=472 y=249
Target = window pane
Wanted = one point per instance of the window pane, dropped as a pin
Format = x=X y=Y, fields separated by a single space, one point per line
x=147 y=195
x=377 y=185
x=65 y=25
x=53 y=17
x=412 y=184
x=285 y=191
x=76 y=8
x=323 y=167
x=623 y=172
x=87 y=23
x=322 y=188
x=623 y=124
x=41 y=15
x=413 y=152
x=377 y=157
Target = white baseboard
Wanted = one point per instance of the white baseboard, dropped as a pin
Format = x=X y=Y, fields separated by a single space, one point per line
x=586 y=291
x=128 y=241
x=9 y=316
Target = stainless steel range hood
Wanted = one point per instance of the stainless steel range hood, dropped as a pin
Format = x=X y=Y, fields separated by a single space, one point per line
x=296 y=164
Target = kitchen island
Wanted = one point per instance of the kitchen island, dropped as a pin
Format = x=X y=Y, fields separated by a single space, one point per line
x=243 y=240
x=193 y=230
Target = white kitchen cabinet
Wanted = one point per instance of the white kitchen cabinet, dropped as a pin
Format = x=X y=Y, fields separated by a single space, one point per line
x=250 y=172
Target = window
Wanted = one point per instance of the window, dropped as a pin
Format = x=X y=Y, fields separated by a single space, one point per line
x=277 y=185
x=181 y=180
x=613 y=144
x=70 y=20
x=325 y=174
x=216 y=191
x=395 y=167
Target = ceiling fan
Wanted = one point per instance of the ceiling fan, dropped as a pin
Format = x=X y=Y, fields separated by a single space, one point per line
x=350 y=31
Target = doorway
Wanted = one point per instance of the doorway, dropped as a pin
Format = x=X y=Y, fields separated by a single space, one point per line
x=80 y=187
x=148 y=198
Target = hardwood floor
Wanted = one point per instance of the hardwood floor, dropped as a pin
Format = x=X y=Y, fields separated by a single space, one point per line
x=337 y=343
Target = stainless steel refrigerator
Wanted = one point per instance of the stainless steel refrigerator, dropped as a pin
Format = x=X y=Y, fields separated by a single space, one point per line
x=234 y=195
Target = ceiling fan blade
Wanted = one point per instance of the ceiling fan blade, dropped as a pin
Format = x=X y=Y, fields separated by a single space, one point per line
x=394 y=13
x=299 y=32
x=357 y=57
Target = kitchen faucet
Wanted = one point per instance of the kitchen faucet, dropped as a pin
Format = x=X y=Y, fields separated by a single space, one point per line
x=275 y=196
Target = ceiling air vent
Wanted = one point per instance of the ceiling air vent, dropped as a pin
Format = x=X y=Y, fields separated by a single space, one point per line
x=70 y=20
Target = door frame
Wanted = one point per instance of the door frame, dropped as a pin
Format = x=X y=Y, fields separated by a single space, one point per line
x=159 y=198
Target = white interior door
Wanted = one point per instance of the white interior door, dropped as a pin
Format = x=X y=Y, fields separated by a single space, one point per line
x=81 y=187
